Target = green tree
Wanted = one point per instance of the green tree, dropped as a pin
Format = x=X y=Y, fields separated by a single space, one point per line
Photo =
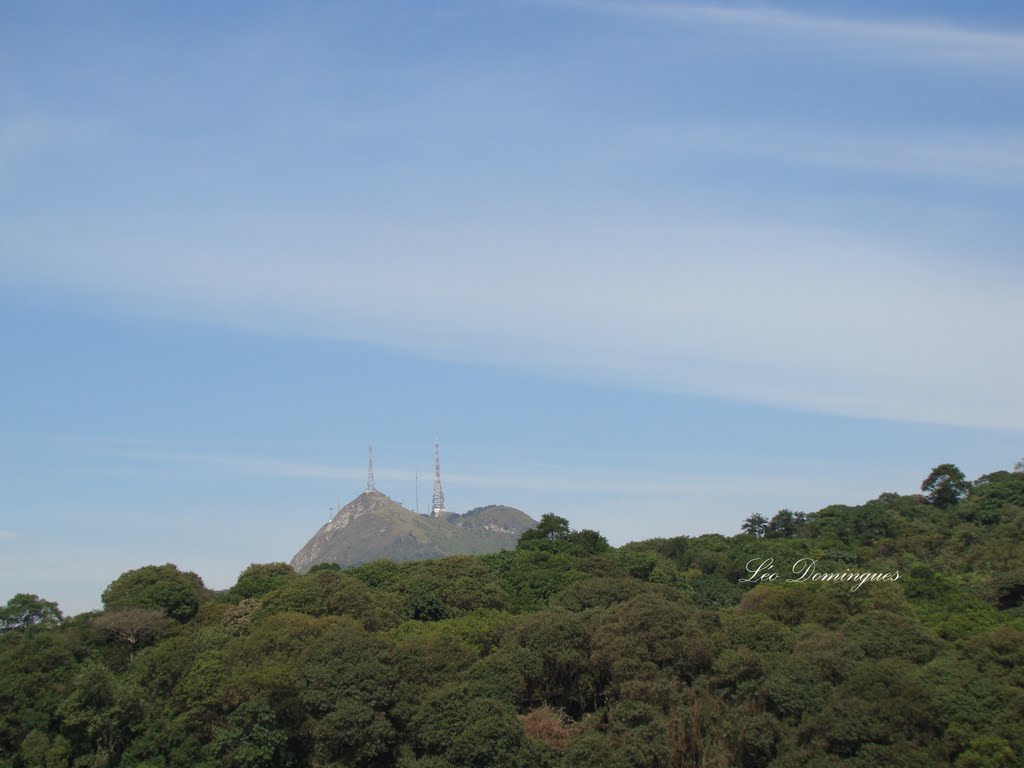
x=24 y=610
x=260 y=578
x=988 y=752
x=163 y=587
x=348 y=688
x=945 y=486
x=252 y=739
x=445 y=588
x=588 y=542
x=599 y=593
x=531 y=576
x=334 y=593
x=324 y=567
x=881 y=710
x=102 y=712
x=635 y=736
x=474 y=733
x=40 y=751
x=555 y=659
x=755 y=525
x=785 y=524
x=551 y=528
x=650 y=637
x=35 y=671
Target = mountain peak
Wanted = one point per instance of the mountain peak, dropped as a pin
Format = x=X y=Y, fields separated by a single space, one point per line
x=374 y=526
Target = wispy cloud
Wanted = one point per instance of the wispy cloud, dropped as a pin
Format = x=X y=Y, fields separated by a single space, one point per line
x=253 y=465
x=992 y=158
x=603 y=481
x=7 y=536
x=825 y=321
x=573 y=273
x=906 y=39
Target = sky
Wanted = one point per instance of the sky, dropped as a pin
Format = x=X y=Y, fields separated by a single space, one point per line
x=652 y=266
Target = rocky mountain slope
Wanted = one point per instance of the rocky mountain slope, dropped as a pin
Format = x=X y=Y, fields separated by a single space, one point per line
x=374 y=527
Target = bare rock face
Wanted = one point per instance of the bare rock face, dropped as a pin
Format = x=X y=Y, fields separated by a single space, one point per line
x=375 y=527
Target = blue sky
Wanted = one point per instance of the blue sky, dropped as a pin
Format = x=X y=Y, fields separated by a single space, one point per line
x=654 y=266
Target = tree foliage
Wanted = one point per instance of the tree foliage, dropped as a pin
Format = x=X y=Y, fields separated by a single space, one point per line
x=945 y=486
x=159 y=587
x=23 y=611
x=756 y=525
x=260 y=578
x=562 y=653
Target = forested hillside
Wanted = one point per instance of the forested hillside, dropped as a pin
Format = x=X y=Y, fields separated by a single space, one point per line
x=562 y=652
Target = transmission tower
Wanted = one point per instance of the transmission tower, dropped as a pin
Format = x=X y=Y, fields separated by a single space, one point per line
x=437 y=505
x=369 y=473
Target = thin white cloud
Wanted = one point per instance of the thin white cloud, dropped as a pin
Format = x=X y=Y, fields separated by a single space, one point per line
x=906 y=39
x=985 y=160
x=267 y=466
x=820 y=321
x=995 y=158
x=606 y=482
x=255 y=465
x=596 y=480
x=7 y=536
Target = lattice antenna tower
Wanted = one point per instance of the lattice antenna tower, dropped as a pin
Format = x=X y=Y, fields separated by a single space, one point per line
x=437 y=505
x=369 y=473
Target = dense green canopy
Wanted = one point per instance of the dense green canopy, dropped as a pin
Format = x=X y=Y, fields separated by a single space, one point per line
x=767 y=649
